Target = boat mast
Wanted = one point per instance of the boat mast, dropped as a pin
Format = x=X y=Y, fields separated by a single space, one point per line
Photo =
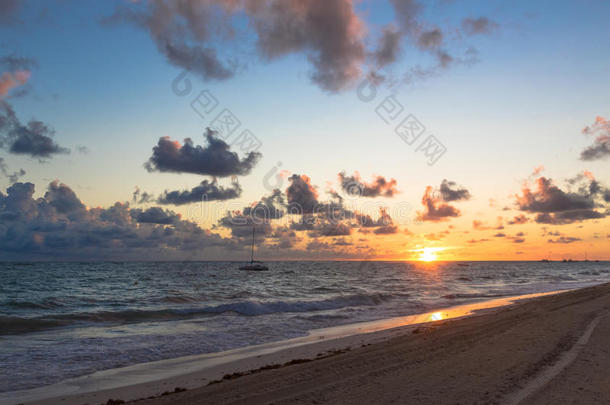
x=252 y=255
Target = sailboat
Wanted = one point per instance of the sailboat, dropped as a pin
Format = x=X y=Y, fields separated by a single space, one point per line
x=253 y=265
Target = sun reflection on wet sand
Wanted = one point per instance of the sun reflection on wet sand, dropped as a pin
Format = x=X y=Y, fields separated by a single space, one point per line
x=438 y=315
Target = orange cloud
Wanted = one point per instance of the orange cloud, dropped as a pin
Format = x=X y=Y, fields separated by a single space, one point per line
x=9 y=81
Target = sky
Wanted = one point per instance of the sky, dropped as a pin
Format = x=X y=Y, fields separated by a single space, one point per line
x=339 y=129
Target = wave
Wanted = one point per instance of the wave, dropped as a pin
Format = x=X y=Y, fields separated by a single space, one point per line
x=49 y=303
x=14 y=325
x=458 y=296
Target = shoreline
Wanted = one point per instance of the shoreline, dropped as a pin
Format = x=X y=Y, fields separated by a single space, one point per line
x=154 y=379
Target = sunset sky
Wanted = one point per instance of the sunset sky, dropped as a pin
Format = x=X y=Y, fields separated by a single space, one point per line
x=344 y=129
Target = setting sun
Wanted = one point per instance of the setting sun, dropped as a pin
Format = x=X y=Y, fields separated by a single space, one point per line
x=428 y=254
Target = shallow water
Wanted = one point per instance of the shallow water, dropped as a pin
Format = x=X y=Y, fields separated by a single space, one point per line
x=61 y=320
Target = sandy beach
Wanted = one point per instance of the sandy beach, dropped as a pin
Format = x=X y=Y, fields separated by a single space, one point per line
x=550 y=349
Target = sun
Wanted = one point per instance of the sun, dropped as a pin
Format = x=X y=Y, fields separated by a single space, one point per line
x=428 y=254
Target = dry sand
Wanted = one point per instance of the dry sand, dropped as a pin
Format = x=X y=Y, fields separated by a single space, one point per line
x=547 y=350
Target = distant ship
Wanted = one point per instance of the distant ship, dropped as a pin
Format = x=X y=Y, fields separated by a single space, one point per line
x=254 y=265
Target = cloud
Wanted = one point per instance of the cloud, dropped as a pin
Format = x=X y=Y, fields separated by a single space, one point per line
x=435 y=210
x=12 y=177
x=601 y=146
x=519 y=220
x=9 y=81
x=301 y=195
x=141 y=197
x=388 y=47
x=215 y=159
x=435 y=203
x=451 y=192
x=430 y=39
x=155 y=215
x=555 y=206
x=190 y=32
x=33 y=139
x=205 y=191
x=481 y=25
x=183 y=32
x=59 y=226
x=565 y=240
x=269 y=207
x=14 y=63
x=328 y=228
x=209 y=37
x=8 y=8
x=328 y=32
x=355 y=187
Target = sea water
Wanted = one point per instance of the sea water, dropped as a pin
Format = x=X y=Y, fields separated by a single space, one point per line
x=63 y=320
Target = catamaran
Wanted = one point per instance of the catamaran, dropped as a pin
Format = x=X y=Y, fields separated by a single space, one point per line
x=254 y=265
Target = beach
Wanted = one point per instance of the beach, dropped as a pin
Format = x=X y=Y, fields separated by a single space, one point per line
x=548 y=349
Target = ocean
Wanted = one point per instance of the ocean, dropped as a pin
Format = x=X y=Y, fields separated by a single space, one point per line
x=63 y=320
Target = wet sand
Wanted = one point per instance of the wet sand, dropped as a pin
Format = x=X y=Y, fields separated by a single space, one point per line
x=546 y=350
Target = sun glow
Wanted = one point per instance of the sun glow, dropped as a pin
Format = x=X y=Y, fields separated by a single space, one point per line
x=428 y=254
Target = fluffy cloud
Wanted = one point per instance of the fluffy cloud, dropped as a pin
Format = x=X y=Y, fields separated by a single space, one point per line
x=380 y=187
x=556 y=206
x=155 y=215
x=435 y=202
x=435 y=209
x=59 y=225
x=207 y=36
x=215 y=159
x=450 y=191
x=33 y=139
x=205 y=191
x=601 y=146
x=301 y=195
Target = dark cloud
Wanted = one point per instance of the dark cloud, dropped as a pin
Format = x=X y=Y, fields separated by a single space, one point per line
x=269 y=207
x=206 y=191
x=450 y=191
x=33 y=139
x=141 y=197
x=388 y=48
x=380 y=187
x=242 y=226
x=555 y=206
x=182 y=31
x=329 y=228
x=215 y=159
x=435 y=209
x=302 y=196
x=59 y=226
x=481 y=25
x=565 y=240
x=601 y=146
x=208 y=37
x=518 y=220
x=155 y=215
x=328 y=32
x=190 y=33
